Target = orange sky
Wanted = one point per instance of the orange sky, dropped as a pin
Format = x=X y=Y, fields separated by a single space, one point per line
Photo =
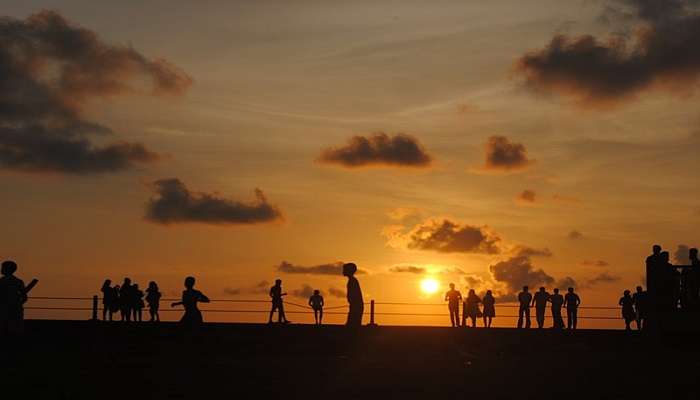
x=496 y=158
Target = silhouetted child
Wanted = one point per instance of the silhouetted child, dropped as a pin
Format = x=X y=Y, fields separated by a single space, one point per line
x=628 y=313
x=471 y=307
x=354 y=295
x=277 y=302
x=641 y=307
x=571 y=303
x=524 y=298
x=153 y=299
x=137 y=302
x=316 y=303
x=108 y=300
x=13 y=295
x=190 y=298
x=126 y=299
x=489 y=303
x=557 y=302
x=453 y=298
x=540 y=303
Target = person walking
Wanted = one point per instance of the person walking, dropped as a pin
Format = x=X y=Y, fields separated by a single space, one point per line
x=471 y=307
x=640 y=300
x=627 y=304
x=276 y=295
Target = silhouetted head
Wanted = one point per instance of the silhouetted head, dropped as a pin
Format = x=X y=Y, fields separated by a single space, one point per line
x=153 y=286
x=665 y=257
x=571 y=290
x=317 y=292
x=556 y=290
x=488 y=293
x=639 y=289
x=136 y=286
x=452 y=286
x=472 y=292
x=693 y=253
x=278 y=282
x=525 y=289
x=127 y=282
x=8 y=267
x=107 y=283
x=626 y=293
x=656 y=249
x=542 y=289
x=189 y=282
x=349 y=269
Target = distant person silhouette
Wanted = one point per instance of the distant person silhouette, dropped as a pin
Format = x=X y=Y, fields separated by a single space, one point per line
x=471 y=308
x=354 y=295
x=693 y=280
x=653 y=271
x=137 y=302
x=524 y=298
x=669 y=282
x=627 y=304
x=540 y=303
x=109 y=298
x=489 y=312
x=557 y=302
x=641 y=307
x=453 y=297
x=126 y=299
x=153 y=296
x=316 y=304
x=13 y=295
x=571 y=303
x=190 y=297
x=277 y=302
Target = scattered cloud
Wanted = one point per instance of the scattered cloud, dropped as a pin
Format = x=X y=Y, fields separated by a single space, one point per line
x=502 y=155
x=378 y=149
x=339 y=293
x=527 y=196
x=566 y=282
x=525 y=251
x=305 y=291
x=682 y=254
x=51 y=68
x=517 y=272
x=262 y=287
x=444 y=236
x=574 y=235
x=604 y=277
x=595 y=263
x=408 y=269
x=335 y=268
x=175 y=203
x=659 y=51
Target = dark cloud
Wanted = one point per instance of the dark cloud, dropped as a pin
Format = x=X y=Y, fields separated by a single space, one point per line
x=339 y=293
x=527 y=196
x=449 y=237
x=525 y=251
x=595 y=263
x=504 y=155
x=335 y=268
x=682 y=254
x=565 y=283
x=305 y=291
x=573 y=235
x=659 y=51
x=604 y=277
x=49 y=70
x=174 y=203
x=410 y=269
x=517 y=272
x=378 y=149
x=262 y=287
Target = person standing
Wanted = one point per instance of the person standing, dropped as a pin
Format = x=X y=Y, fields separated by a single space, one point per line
x=108 y=300
x=524 y=298
x=316 y=304
x=453 y=297
x=641 y=307
x=190 y=297
x=627 y=304
x=153 y=296
x=471 y=307
x=354 y=296
x=137 y=303
x=571 y=303
x=557 y=302
x=126 y=299
x=489 y=303
x=276 y=295
x=539 y=301
x=13 y=295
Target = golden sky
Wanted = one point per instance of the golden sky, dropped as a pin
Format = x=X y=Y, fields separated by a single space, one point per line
x=490 y=144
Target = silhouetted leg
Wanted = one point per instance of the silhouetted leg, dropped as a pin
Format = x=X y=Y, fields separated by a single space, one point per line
x=464 y=315
x=280 y=313
x=320 y=316
x=520 y=317
x=575 y=315
x=540 y=317
x=527 y=317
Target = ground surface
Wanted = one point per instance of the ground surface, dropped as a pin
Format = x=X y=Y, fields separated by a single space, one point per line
x=67 y=360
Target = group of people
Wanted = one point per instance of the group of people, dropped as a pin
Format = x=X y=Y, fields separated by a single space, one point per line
x=635 y=307
x=673 y=287
x=128 y=300
x=471 y=307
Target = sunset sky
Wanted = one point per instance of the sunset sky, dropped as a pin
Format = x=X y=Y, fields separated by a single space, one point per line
x=489 y=144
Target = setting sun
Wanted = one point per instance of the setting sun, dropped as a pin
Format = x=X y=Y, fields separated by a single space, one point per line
x=429 y=285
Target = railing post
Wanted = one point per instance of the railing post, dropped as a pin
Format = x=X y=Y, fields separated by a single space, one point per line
x=94 y=308
x=371 y=313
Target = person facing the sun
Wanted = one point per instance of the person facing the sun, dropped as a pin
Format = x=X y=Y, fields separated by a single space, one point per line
x=453 y=297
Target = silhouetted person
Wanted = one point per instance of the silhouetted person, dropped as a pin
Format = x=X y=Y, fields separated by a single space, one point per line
x=277 y=302
x=109 y=298
x=137 y=302
x=354 y=294
x=693 y=278
x=557 y=302
x=316 y=303
x=654 y=279
x=471 y=308
x=489 y=312
x=153 y=296
x=669 y=292
x=453 y=297
x=571 y=303
x=641 y=307
x=627 y=304
x=524 y=298
x=540 y=303
x=190 y=298
x=126 y=299
x=13 y=295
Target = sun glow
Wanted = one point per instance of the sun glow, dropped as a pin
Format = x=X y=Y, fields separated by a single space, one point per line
x=429 y=285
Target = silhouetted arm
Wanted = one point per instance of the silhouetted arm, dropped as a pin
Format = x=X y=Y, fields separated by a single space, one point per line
x=203 y=298
x=578 y=301
x=175 y=304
